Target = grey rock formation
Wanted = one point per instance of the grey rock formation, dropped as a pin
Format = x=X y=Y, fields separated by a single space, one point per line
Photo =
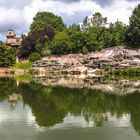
x=114 y=58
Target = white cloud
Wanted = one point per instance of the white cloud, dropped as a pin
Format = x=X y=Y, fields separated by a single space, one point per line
x=21 y=18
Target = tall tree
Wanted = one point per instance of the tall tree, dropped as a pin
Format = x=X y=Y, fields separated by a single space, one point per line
x=98 y=20
x=95 y=20
x=46 y=20
x=34 y=42
x=61 y=44
x=134 y=28
x=118 y=32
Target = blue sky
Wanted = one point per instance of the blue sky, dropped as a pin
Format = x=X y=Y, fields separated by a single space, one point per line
x=18 y=14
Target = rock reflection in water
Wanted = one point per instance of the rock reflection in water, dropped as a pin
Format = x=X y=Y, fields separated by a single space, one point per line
x=112 y=86
x=51 y=104
x=55 y=106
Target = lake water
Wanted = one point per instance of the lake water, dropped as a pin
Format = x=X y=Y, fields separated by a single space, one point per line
x=33 y=111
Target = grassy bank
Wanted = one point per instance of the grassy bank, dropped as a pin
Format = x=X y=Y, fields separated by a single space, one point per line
x=23 y=65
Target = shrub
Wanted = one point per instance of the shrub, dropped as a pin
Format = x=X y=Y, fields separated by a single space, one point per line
x=34 y=57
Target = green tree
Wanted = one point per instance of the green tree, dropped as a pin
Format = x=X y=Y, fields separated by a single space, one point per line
x=46 y=20
x=61 y=44
x=100 y=37
x=118 y=32
x=74 y=27
x=7 y=56
x=98 y=20
x=134 y=29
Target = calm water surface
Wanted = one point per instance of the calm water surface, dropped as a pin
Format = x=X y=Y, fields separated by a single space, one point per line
x=31 y=111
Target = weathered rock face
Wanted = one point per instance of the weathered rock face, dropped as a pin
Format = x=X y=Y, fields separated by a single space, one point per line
x=115 y=58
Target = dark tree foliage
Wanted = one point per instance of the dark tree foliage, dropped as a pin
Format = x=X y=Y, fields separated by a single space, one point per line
x=133 y=36
x=118 y=32
x=7 y=55
x=46 y=20
x=29 y=43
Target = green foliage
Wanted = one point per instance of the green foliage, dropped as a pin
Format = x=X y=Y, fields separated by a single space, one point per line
x=46 y=20
x=74 y=27
x=96 y=20
x=34 y=57
x=38 y=48
x=61 y=44
x=23 y=65
x=100 y=37
x=118 y=32
x=133 y=37
x=46 y=52
x=7 y=56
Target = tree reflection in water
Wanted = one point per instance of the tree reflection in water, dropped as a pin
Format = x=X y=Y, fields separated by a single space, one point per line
x=51 y=104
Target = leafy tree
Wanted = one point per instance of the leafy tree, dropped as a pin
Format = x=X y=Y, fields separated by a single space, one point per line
x=118 y=32
x=133 y=36
x=96 y=20
x=46 y=20
x=100 y=37
x=7 y=56
x=79 y=40
x=35 y=41
x=34 y=57
x=74 y=27
x=61 y=44
x=38 y=48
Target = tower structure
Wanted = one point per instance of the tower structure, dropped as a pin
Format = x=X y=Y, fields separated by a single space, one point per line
x=12 y=40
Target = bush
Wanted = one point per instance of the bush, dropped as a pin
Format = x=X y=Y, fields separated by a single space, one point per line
x=34 y=57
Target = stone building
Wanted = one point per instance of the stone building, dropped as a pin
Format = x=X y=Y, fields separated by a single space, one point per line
x=12 y=40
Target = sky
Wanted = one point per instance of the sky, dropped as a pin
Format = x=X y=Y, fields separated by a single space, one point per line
x=18 y=14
